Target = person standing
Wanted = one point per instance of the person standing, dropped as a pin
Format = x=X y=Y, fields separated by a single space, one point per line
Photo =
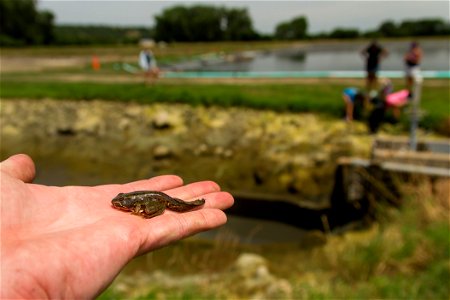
x=412 y=59
x=373 y=55
x=147 y=62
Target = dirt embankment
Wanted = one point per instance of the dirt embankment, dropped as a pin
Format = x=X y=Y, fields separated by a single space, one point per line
x=242 y=149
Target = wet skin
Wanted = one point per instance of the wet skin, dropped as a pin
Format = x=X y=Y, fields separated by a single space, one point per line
x=149 y=204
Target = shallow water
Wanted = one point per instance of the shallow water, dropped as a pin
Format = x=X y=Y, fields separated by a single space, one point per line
x=255 y=231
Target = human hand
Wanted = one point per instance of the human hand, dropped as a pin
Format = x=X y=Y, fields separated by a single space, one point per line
x=68 y=242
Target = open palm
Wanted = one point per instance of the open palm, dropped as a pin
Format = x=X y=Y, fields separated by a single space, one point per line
x=68 y=242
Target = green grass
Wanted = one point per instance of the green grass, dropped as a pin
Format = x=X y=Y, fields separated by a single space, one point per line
x=436 y=105
x=325 y=99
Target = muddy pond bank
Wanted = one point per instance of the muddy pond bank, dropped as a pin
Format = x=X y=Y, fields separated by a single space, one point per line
x=93 y=142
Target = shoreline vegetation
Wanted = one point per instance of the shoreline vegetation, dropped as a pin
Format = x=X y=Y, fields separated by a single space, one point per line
x=318 y=96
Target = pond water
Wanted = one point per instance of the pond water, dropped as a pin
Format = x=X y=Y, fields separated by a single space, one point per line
x=255 y=231
x=337 y=56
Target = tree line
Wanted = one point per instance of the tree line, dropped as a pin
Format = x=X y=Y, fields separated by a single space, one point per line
x=407 y=28
x=22 y=24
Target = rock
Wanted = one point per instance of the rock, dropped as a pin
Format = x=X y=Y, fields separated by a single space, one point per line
x=248 y=263
x=133 y=111
x=161 y=152
x=302 y=160
x=201 y=149
x=89 y=122
x=10 y=130
x=225 y=153
x=228 y=153
x=123 y=124
x=280 y=289
x=161 y=120
x=253 y=277
x=319 y=158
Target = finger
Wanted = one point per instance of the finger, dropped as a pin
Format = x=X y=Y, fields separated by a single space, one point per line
x=158 y=183
x=194 y=190
x=220 y=200
x=173 y=227
x=20 y=166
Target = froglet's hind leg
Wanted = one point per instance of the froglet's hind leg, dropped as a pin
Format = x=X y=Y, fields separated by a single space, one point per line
x=137 y=210
x=153 y=210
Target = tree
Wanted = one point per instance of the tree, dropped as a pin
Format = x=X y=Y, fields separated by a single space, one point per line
x=203 y=23
x=292 y=30
x=388 y=29
x=182 y=24
x=344 y=33
x=98 y=34
x=237 y=25
x=422 y=27
x=45 y=25
x=426 y=27
x=22 y=24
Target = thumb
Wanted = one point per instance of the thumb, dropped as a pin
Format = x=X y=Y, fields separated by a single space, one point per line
x=19 y=166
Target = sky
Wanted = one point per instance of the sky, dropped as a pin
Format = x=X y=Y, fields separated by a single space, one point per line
x=321 y=15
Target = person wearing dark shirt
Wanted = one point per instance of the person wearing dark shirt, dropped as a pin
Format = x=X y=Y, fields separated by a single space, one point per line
x=373 y=54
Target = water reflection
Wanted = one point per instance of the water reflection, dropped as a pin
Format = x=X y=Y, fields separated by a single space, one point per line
x=255 y=231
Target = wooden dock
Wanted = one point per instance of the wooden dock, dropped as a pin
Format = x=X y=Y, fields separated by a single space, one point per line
x=395 y=164
x=432 y=157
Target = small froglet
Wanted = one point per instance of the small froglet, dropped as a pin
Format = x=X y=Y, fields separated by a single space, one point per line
x=149 y=204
